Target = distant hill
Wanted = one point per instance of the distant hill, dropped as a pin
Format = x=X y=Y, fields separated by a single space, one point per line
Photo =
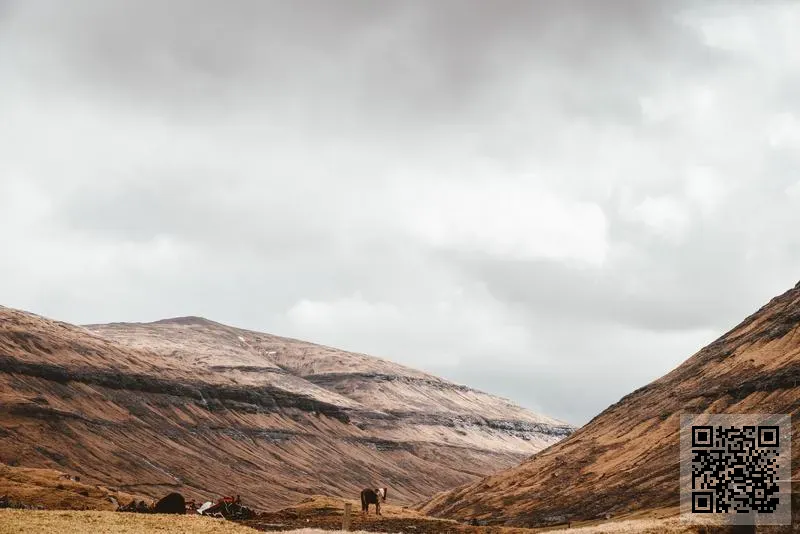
x=626 y=458
x=207 y=409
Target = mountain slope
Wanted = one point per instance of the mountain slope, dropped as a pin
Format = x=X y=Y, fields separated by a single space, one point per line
x=205 y=408
x=626 y=458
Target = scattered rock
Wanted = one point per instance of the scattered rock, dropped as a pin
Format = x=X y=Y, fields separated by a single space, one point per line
x=230 y=508
x=8 y=502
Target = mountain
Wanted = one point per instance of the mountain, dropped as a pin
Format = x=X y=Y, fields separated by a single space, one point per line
x=192 y=405
x=626 y=459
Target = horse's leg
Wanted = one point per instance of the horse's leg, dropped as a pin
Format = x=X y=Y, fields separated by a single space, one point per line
x=378 y=507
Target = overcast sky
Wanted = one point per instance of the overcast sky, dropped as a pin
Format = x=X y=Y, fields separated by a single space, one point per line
x=556 y=202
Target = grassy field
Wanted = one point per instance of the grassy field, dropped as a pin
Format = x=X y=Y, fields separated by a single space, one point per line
x=320 y=514
x=97 y=522
x=91 y=522
x=642 y=526
x=638 y=526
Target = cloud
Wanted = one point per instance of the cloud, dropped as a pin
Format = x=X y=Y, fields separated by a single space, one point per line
x=519 y=195
x=347 y=312
x=508 y=219
x=663 y=215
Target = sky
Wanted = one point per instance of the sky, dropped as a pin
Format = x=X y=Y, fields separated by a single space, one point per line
x=554 y=202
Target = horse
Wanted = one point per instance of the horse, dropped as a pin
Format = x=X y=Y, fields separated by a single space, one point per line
x=372 y=496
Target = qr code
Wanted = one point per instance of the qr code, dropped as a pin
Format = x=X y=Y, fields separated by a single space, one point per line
x=735 y=467
x=736 y=464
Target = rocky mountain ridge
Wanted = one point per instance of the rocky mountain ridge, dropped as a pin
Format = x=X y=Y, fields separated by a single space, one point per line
x=195 y=405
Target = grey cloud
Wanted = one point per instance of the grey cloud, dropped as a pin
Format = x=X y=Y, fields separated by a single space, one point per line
x=266 y=163
x=579 y=295
x=711 y=279
x=396 y=59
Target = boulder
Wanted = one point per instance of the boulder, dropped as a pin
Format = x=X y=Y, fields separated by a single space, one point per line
x=174 y=503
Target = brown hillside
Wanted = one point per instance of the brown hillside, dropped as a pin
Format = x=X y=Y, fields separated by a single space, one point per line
x=104 y=522
x=199 y=407
x=48 y=488
x=626 y=458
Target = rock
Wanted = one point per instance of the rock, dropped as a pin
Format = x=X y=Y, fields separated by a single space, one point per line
x=142 y=508
x=174 y=503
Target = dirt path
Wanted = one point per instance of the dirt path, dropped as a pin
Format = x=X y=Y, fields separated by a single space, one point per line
x=278 y=522
x=325 y=513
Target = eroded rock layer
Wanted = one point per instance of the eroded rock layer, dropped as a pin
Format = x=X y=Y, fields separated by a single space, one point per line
x=192 y=405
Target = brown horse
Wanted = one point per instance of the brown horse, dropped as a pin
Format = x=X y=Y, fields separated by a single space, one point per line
x=372 y=496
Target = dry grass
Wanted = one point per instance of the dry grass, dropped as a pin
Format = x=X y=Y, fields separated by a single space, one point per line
x=47 y=488
x=400 y=519
x=639 y=526
x=95 y=522
x=92 y=522
x=320 y=531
